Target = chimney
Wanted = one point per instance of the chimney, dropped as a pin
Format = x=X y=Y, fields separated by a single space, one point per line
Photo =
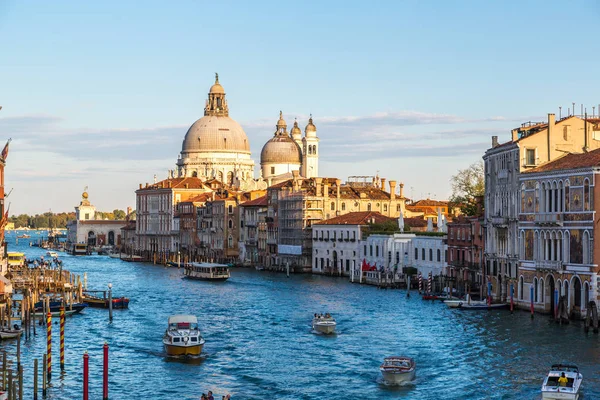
x=140 y=185
x=382 y=183
x=337 y=186
x=318 y=182
x=128 y=210
x=213 y=196
x=551 y=122
x=514 y=135
x=494 y=141
x=326 y=190
x=393 y=190
x=401 y=190
x=170 y=184
x=186 y=186
x=146 y=184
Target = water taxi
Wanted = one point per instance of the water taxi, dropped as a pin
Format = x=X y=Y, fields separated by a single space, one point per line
x=324 y=323
x=396 y=370
x=16 y=260
x=206 y=271
x=553 y=389
x=182 y=337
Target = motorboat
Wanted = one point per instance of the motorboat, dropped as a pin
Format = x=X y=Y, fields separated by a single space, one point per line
x=10 y=333
x=52 y=254
x=55 y=307
x=206 y=271
x=468 y=304
x=396 y=370
x=182 y=336
x=259 y=268
x=441 y=297
x=552 y=389
x=324 y=324
x=103 y=301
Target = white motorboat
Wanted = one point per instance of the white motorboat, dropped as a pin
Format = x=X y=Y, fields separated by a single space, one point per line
x=397 y=370
x=52 y=254
x=468 y=304
x=182 y=336
x=10 y=333
x=324 y=324
x=553 y=390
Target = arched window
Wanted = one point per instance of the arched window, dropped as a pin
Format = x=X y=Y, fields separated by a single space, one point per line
x=541 y=292
x=343 y=206
x=586 y=195
x=423 y=254
x=430 y=254
x=314 y=150
x=332 y=206
x=230 y=242
x=195 y=174
x=398 y=207
x=537 y=198
x=535 y=289
x=230 y=224
x=521 y=288
x=439 y=255
x=369 y=207
x=567 y=196
x=416 y=253
x=385 y=207
x=522 y=198
x=309 y=149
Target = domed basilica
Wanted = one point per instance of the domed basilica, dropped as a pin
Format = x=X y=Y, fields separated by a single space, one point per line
x=216 y=147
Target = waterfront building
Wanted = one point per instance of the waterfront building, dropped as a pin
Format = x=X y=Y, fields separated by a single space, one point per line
x=296 y=204
x=285 y=153
x=86 y=229
x=216 y=146
x=557 y=230
x=336 y=242
x=129 y=238
x=430 y=209
x=253 y=231
x=429 y=254
x=532 y=145
x=187 y=213
x=465 y=250
x=157 y=228
x=3 y=224
x=387 y=252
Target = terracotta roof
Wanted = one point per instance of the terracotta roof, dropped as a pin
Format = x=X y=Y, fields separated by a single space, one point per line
x=177 y=183
x=261 y=201
x=347 y=192
x=103 y=221
x=201 y=198
x=130 y=226
x=429 y=203
x=570 y=161
x=357 y=218
x=416 y=222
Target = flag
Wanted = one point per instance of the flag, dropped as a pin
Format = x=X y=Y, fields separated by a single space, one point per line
x=4 y=154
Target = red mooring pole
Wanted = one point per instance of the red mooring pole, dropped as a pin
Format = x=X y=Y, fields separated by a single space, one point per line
x=105 y=374
x=49 y=344
x=62 y=338
x=86 y=373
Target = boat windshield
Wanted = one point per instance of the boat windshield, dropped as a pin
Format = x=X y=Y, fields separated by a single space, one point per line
x=183 y=325
x=565 y=368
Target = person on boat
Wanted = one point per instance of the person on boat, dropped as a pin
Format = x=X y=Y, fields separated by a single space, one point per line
x=562 y=381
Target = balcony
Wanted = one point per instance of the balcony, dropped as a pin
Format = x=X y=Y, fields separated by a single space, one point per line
x=500 y=221
x=554 y=219
x=465 y=264
x=551 y=265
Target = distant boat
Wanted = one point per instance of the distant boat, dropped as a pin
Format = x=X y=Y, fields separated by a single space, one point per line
x=10 y=333
x=206 y=271
x=324 y=324
x=23 y=236
x=102 y=302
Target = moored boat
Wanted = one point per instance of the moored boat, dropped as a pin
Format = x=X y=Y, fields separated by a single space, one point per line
x=55 y=307
x=206 y=271
x=103 y=302
x=555 y=388
x=324 y=324
x=468 y=304
x=182 y=336
x=52 y=254
x=10 y=333
x=396 y=370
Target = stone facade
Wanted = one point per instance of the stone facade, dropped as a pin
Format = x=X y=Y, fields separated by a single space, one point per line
x=465 y=250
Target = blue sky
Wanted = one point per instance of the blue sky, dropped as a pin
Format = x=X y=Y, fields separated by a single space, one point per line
x=101 y=94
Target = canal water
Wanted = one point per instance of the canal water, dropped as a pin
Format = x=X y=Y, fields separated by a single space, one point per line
x=259 y=343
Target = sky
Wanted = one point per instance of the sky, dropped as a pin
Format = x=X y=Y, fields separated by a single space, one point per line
x=101 y=94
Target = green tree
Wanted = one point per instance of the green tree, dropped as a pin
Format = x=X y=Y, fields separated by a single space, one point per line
x=467 y=185
x=119 y=214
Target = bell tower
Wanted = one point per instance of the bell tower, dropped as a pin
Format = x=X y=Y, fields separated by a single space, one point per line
x=310 y=151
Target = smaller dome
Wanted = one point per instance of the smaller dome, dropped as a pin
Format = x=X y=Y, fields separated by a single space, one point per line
x=296 y=132
x=217 y=88
x=281 y=149
x=310 y=129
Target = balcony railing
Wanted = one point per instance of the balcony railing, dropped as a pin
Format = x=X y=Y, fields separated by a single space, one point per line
x=549 y=218
x=465 y=264
x=499 y=221
x=548 y=264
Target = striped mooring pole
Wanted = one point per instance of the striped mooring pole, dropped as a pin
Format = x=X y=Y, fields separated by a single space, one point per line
x=62 y=338
x=429 y=284
x=49 y=345
x=420 y=282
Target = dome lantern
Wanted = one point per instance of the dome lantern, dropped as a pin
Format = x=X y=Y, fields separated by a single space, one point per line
x=311 y=129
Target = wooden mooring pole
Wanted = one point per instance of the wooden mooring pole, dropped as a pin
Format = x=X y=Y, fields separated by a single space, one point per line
x=35 y=379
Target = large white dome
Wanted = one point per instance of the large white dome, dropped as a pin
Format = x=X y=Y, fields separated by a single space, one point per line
x=213 y=133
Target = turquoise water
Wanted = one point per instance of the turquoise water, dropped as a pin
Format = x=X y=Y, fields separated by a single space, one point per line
x=259 y=343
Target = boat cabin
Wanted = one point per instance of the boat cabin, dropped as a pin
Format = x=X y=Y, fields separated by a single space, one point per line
x=16 y=259
x=183 y=322
x=206 y=271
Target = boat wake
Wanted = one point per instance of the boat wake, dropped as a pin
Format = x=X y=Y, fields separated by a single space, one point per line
x=406 y=384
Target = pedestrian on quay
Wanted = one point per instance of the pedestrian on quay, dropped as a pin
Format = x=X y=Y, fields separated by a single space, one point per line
x=210 y=396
